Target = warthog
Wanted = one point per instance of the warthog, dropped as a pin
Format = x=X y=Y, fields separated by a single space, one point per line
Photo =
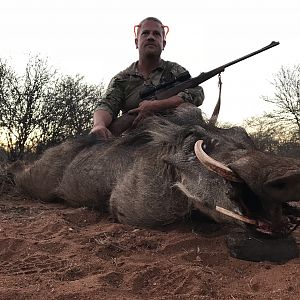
x=169 y=166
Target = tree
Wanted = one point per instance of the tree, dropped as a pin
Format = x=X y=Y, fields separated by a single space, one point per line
x=287 y=98
x=269 y=135
x=42 y=108
x=68 y=110
x=21 y=104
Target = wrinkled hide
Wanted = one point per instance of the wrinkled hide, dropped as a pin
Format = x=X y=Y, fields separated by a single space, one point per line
x=152 y=177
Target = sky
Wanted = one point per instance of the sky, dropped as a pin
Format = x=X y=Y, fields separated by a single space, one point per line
x=95 y=39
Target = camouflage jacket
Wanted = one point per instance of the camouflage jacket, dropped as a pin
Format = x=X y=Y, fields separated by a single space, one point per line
x=123 y=92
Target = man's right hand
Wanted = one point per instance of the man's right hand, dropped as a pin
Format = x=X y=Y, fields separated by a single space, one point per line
x=101 y=131
x=102 y=120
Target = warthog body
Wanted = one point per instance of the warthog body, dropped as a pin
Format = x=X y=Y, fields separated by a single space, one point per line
x=151 y=176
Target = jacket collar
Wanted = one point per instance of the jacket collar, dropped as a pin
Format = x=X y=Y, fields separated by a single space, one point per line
x=133 y=68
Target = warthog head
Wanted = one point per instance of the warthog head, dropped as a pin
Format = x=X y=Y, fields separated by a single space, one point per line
x=169 y=166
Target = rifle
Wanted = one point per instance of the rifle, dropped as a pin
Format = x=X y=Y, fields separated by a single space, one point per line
x=169 y=89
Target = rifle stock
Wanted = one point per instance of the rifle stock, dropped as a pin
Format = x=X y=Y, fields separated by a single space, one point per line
x=124 y=122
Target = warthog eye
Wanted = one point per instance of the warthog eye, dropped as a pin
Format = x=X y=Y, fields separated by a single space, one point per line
x=209 y=144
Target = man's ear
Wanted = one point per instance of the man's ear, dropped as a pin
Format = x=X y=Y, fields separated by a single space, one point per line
x=136 y=43
x=164 y=44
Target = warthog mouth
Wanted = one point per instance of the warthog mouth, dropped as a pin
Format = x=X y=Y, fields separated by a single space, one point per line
x=287 y=223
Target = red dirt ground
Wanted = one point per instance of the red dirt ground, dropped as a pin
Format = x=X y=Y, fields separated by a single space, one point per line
x=50 y=251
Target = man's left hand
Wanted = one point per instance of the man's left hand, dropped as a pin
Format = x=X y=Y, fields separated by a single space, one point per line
x=145 y=109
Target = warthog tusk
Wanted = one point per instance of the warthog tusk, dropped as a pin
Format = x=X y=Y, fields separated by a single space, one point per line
x=235 y=216
x=260 y=226
x=214 y=165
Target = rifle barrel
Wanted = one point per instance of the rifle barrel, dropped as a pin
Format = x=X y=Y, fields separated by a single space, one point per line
x=204 y=76
x=273 y=44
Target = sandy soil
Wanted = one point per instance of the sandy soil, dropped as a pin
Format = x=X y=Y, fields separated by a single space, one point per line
x=50 y=251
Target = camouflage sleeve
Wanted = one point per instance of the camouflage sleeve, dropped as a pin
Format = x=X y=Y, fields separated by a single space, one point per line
x=113 y=97
x=192 y=95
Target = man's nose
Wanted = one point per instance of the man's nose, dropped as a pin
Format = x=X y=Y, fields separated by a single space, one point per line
x=150 y=36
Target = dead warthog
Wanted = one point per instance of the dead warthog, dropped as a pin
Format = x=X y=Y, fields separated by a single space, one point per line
x=167 y=167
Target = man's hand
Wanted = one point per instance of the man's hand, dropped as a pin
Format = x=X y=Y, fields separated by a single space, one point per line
x=101 y=131
x=146 y=108
x=102 y=120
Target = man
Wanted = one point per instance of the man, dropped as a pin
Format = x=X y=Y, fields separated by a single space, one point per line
x=124 y=89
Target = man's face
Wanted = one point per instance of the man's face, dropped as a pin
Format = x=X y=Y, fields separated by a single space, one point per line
x=150 y=40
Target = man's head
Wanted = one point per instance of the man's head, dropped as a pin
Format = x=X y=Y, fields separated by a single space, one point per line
x=150 y=37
